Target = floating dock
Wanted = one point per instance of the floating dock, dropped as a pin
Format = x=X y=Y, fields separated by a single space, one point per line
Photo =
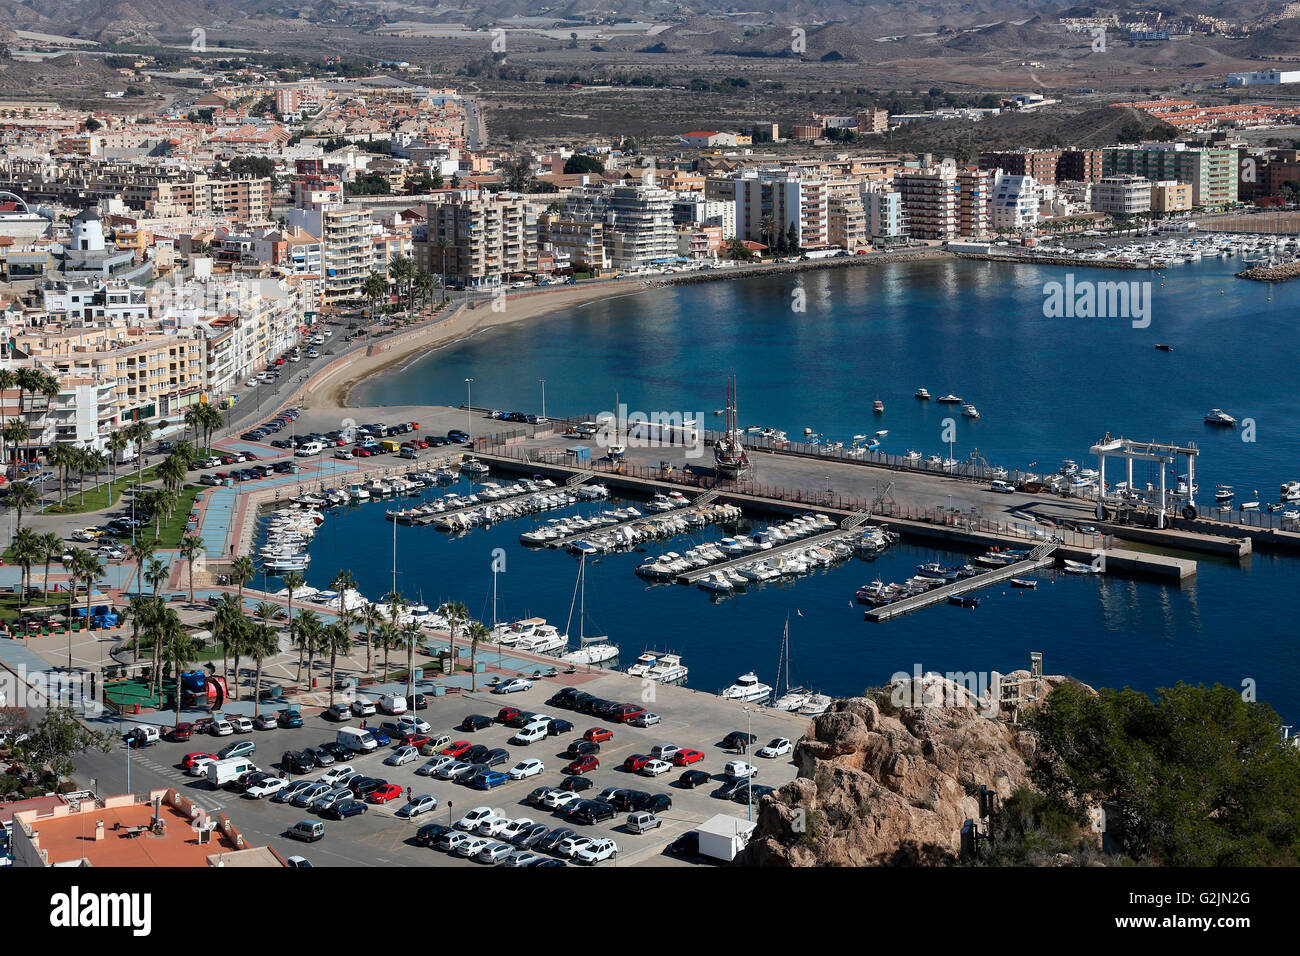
x=1040 y=557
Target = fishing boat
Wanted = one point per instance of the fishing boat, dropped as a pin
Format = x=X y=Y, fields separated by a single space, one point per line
x=749 y=689
x=1217 y=416
x=1249 y=506
x=1224 y=494
x=912 y=455
x=729 y=456
x=923 y=394
x=949 y=399
x=1024 y=583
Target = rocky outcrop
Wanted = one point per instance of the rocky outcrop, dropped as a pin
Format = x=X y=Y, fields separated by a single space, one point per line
x=892 y=779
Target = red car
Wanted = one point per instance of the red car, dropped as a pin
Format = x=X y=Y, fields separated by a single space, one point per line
x=420 y=443
x=361 y=452
x=191 y=759
x=180 y=732
x=279 y=361
x=598 y=735
x=582 y=765
x=249 y=456
x=456 y=748
x=389 y=791
x=624 y=713
x=635 y=762
x=418 y=740
x=684 y=758
x=507 y=714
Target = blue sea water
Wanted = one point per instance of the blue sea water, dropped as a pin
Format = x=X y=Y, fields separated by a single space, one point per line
x=1046 y=388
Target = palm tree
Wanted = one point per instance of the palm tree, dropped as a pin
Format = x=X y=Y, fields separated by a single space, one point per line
x=262 y=643
x=156 y=575
x=27 y=550
x=457 y=614
x=116 y=444
x=336 y=640
x=209 y=420
x=180 y=650
x=52 y=547
x=443 y=244
x=242 y=570
x=190 y=549
x=28 y=380
x=374 y=288
x=306 y=632
x=22 y=497
x=17 y=431
x=140 y=432
x=141 y=552
x=194 y=419
x=370 y=620
x=343 y=582
x=95 y=462
x=226 y=623
x=139 y=608
x=293 y=581
x=387 y=638
x=478 y=631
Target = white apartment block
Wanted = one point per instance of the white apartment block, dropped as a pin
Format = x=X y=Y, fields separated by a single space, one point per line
x=1015 y=203
x=1121 y=195
x=786 y=199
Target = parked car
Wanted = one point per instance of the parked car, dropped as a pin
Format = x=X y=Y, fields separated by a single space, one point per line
x=693 y=778
x=342 y=809
x=513 y=685
x=597 y=851
x=645 y=720
x=635 y=762
x=654 y=768
x=384 y=793
x=308 y=831
x=265 y=722
x=240 y=748
x=738 y=740
x=416 y=806
x=738 y=769
x=684 y=758
x=526 y=768
x=598 y=735
x=266 y=787
x=431 y=833
x=322 y=756
x=777 y=747
x=475 y=722
x=402 y=755
x=642 y=822
x=582 y=765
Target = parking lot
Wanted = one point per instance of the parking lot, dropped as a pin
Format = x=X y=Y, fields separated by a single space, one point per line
x=690 y=720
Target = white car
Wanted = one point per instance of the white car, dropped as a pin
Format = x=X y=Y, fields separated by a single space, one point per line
x=417 y=724
x=363 y=707
x=242 y=725
x=402 y=755
x=264 y=788
x=571 y=846
x=778 y=747
x=344 y=454
x=251 y=383
x=526 y=768
x=655 y=767
x=492 y=825
x=452 y=841
x=559 y=799
x=739 y=770
x=494 y=853
x=645 y=720
x=430 y=767
x=333 y=775
x=514 y=828
x=522 y=858
x=200 y=767
x=471 y=819
x=222 y=728
x=596 y=851
x=473 y=847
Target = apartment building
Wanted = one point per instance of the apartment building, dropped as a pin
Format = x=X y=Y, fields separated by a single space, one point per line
x=1121 y=195
x=782 y=199
x=1211 y=171
x=974 y=202
x=1039 y=164
x=1015 y=203
x=695 y=210
x=477 y=240
x=930 y=201
x=1170 y=196
x=886 y=222
x=96 y=302
x=579 y=241
x=848 y=222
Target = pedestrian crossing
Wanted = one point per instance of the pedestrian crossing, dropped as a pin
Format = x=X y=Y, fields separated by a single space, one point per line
x=181 y=778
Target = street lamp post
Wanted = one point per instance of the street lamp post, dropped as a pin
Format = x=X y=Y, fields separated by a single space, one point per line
x=543 y=381
x=469 y=411
x=749 y=785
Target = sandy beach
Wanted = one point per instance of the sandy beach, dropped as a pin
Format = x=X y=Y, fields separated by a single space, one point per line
x=332 y=386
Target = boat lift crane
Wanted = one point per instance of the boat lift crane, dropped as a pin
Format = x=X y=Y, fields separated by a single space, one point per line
x=1164 y=454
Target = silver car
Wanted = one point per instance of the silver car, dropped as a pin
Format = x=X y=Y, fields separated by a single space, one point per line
x=494 y=853
x=431 y=767
x=305 y=796
x=522 y=858
x=452 y=769
x=331 y=797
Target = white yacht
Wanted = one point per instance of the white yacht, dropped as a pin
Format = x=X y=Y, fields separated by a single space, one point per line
x=970 y=411
x=816 y=705
x=922 y=393
x=1217 y=416
x=749 y=689
x=793 y=699
x=668 y=669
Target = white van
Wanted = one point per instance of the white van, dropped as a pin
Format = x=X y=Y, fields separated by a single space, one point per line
x=142 y=735
x=356 y=739
x=392 y=704
x=222 y=772
x=529 y=735
x=1003 y=487
x=309 y=449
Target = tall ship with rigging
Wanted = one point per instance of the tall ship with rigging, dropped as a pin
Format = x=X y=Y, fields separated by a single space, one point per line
x=730 y=459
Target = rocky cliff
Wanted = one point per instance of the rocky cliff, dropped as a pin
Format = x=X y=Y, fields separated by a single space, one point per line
x=892 y=779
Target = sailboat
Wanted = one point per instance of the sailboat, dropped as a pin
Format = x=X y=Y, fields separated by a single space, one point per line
x=729 y=456
x=794 y=697
x=591 y=650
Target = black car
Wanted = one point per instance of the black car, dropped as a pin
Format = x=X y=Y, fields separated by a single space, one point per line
x=295 y=761
x=534 y=799
x=475 y=722
x=743 y=794
x=588 y=704
x=738 y=740
x=628 y=800
x=475 y=754
x=693 y=778
x=563 y=697
x=521 y=719
x=686 y=846
x=421 y=702
x=531 y=835
x=344 y=809
x=592 y=811
x=658 y=803
x=428 y=834
x=322 y=756
x=606 y=708
x=559 y=725
x=576 y=784
x=468 y=774
x=246 y=780
x=496 y=757
x=337 y=750
x=553 y=839
x=582 y=748
x=362 y=787
x=731 y=788
x=253 y=436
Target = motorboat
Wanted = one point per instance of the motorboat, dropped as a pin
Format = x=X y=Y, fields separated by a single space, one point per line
x=1080 y=567
x=1291 y=491
x=815 y=706
x=748 y=688
x=1024 y=583
x=472 y=466
x=923 y=394
x=949 y=399
x=963 y=600
x=793 y=699
x=970 y=411
x=878 y=406
x=912 y=455
x=598 y=650
x=1224 y=494
x=1217 y=416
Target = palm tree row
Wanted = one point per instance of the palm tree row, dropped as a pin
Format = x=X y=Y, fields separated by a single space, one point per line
x=28 y=381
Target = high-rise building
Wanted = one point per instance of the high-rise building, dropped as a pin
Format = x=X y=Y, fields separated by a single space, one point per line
x=786 y=200
x=1211 y=172
x=974 y=201
x=1121 y=195
x=930 y=195
x=476 y=241
x=1041 y=164
x=885 y=220
x=1015 y=203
